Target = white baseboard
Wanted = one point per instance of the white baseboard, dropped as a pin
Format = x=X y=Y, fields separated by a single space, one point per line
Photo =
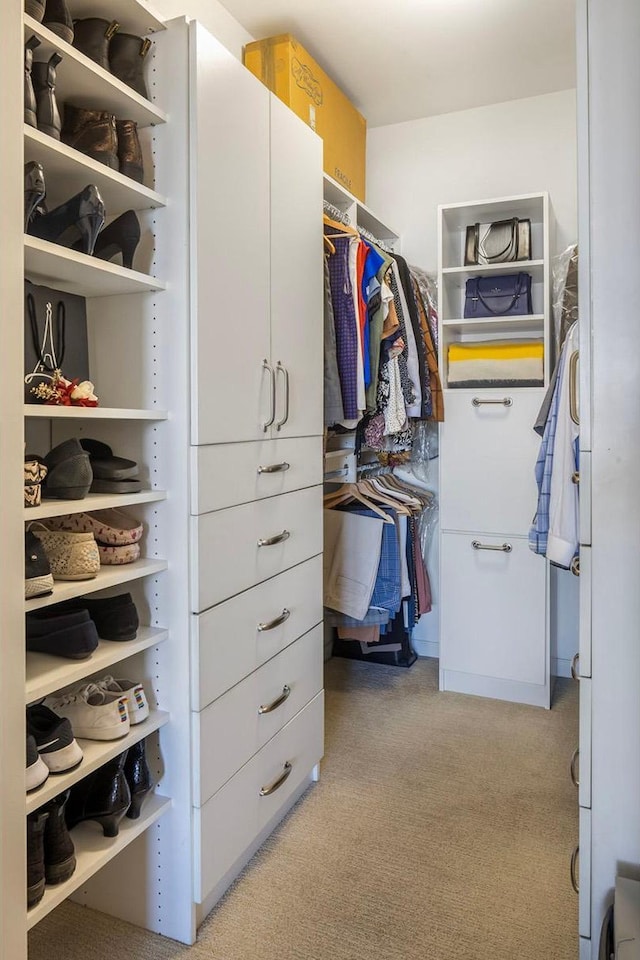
x=426 y=648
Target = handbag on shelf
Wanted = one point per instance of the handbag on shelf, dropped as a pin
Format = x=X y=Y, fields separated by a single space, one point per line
x=55 y=337
x=500 y=296
x=504 y=241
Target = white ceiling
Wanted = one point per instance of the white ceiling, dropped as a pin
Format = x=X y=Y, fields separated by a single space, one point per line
x=403 y=59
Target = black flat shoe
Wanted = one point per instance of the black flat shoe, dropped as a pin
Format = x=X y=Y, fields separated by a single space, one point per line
x=79 y=220
x=116 y=618
x=122 y=235
x=70 y=634
x=34 y=189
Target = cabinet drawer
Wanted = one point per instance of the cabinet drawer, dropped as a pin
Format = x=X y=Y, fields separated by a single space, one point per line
x=229 y=553
x=227 y=474
x=230 y=730
x=487 y=460
x=584 y=767
x=584 y=665
x=493 y=608
x=227 y=644
x=228 y=823
x=584 y=874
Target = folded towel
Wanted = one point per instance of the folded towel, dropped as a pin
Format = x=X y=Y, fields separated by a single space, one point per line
x=489 y=362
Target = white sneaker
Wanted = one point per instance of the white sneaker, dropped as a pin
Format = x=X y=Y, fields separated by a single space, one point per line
x=137 y=704
x=93 y=713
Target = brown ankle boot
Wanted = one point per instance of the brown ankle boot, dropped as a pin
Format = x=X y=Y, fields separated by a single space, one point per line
x=129 y=150
x=92 y=132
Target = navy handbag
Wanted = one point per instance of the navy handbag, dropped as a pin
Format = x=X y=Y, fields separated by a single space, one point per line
x=499 y=296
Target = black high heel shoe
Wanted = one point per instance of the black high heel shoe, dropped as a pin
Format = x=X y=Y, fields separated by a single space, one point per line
x=79 y=220
x=136 y=770
x=122 y=235
x=34 y=189
x=103 y=796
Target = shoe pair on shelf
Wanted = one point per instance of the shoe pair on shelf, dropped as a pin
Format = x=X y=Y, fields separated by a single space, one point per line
x=79 y=222
x=78 y=467
x=51 y=745
x=101 y=136
x=73 y=628
x=102 y=710
x=50 y=852
x=40 y=103
x=54 y=14
x=122 y=54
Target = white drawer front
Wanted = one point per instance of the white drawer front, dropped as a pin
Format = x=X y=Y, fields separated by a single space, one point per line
x=227 y=642
x=584 y=766
x=227 y=824
x=226 y=553
x=230 y=730
x=584 y=874
x=493 y=609
x=227 y=474
x=487 y=460
x=584 y=665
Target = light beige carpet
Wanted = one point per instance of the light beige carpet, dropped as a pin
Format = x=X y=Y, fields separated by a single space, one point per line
x=441 y=830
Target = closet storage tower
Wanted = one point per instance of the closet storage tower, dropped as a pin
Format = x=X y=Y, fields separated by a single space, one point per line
x=494 y=627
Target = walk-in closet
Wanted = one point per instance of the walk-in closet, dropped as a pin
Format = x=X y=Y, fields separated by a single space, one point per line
x=319 y=403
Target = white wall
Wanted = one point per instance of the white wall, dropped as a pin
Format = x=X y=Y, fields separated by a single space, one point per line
x=211 y=15
x=517 y=147
x=522 y=146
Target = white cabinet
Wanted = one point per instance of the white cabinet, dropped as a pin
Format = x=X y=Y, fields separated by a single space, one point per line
x=256 y=257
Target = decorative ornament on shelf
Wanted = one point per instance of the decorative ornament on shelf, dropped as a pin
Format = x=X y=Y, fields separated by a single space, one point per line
x=59 y=391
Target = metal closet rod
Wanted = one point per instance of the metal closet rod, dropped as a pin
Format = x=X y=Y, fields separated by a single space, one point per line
x=336 y=213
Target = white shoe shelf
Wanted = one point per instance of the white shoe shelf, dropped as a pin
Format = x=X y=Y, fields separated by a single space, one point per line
x=96 y=754
x=93 y=501
x=106 y=578
x=46 y=673
x=42 y=412
x=94 y=851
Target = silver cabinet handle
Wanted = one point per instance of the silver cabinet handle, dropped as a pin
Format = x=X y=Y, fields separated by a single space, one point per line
x=272 y=624
x=270 y=707
x=282 y=369
x=266 y=791
x=575 y=477
x=274 y=467
x=575 y=566
x=272 y=410
x=270 y=541
x=504 y=402
x=574 y=666
x=573 y=767
x=574 y=869
x=503 y=547
x=573 y=387
x=334 y=474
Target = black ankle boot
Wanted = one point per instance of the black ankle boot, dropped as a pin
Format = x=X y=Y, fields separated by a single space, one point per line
x=136 y=770
x=92 y=37
x=30 y=106
x=81 y=218
x=127 y=55
x=44 y=85
x=121 y=236
x=59 y=852
x=34 y=189
x=58 y=19
x=103 y=796
x=36 y=823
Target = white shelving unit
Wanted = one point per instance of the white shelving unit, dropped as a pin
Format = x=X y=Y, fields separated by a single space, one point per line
x=93 y=501
x=36 y=412
x=107 y=577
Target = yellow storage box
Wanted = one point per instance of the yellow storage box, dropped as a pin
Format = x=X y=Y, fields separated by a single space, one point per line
x=286 y=68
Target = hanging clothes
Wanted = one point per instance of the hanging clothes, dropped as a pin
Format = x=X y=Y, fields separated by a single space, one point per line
x=333 y=408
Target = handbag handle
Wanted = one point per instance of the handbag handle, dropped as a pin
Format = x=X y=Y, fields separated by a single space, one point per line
x=497 y=257
x=478 y=296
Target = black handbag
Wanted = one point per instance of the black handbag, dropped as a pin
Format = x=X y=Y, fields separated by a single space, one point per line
x=55 y=337
x=502 y=296
x=504 y=241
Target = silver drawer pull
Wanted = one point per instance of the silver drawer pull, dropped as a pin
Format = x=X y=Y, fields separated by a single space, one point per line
x=270 y=707
x=274 y=468
x=266 y=791
x=272 y=624
x=504 y=402
x=575 y=477
x=503 y=547
x=573 y=767
x=575 y=566
x=574 y=869
x=575 y=675
x=270 y=541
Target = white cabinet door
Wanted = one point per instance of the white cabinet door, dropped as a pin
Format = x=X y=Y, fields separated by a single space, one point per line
x=494 y=622
x=229 y=159
x=488 y=454
x=296 y=273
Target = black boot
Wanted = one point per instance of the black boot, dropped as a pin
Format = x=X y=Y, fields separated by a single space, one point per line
x=36 y=823
x=103 y=796
x=92 y=37
x=30 y=116
x=34 y=189
x=58 y=19
x=127 y=54
x=35 y=9
x=136 y=770
x=129 y=150
x=92 y=132
x=121 y=236
x=59 y=852
x=81 y=217
x=44 y=85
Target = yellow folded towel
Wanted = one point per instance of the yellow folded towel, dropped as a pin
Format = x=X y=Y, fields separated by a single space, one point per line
x=497 y=350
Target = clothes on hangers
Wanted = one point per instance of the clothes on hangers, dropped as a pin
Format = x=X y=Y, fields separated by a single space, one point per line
x=554 y=532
